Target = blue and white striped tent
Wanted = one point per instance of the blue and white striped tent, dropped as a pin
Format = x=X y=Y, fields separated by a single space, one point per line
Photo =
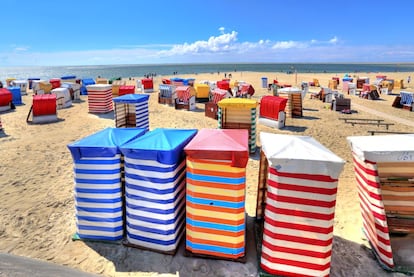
x=131 y=110
x=155 y=169
x=98 y=184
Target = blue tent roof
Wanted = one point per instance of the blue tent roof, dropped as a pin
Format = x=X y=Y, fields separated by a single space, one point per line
x=131 y=98
x=104 y=143
x=163 y=145
x=66 y=77
x=88 y=81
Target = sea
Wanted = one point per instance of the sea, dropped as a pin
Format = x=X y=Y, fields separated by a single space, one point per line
x=126 y=71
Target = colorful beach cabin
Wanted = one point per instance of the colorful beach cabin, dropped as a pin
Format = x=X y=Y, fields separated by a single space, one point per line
x=68 y=79
x=116 y=85
x=44 y=108
x=185 y=98
x=99 y=98
x=55 y=82
x=86 y=82
x=44 y=87
x=155 y=169
x=272 y=111
x=216 y=184
x=294 y=105
x=125 y=89
x=22 y=84
x=131 y=110
x=74 y=89
x=147 y=84
x=98 y=168
x=298 y=179
x=30 y=81
x=211 y=107
x=63 y=98
x=239 y=113
x=167 y=94
x=17 y=96
x=384 y=170
x=6 y=98
x=202 y=92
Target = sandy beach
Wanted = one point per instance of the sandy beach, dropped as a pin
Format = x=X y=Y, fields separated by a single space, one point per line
x=37 y=215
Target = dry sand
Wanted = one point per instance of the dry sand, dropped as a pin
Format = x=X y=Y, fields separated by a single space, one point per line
x=37 y=216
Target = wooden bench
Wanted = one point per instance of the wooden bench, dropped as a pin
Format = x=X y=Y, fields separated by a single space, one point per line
x=346 y=119
x=372 y=123
x=373 y=132
x=366 y=121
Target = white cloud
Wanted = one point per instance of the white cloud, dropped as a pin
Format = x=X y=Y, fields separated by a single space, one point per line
x=289 y=44
x=21 y=49
x=333 y=40
x=212 y=45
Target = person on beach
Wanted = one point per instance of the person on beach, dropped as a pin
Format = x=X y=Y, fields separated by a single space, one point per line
x=408 y=79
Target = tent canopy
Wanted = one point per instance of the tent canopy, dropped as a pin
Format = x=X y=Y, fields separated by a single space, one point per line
x=300 y=154
x=104 y=143
x=220 y=144
x=385 y=148
x=131 y=98
x=238 y=103
x=162 y=145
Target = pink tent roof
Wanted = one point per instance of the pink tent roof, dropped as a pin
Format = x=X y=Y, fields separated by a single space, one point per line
x=220 y=144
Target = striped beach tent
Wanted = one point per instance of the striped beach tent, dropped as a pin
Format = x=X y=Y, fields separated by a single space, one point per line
x=239 y=113
x=98 y=184
x=384 y=169
x=216 y=183
x=155 y=189
x=131 y=110
x=302 y=178
x=99 y=98
x=167 y=94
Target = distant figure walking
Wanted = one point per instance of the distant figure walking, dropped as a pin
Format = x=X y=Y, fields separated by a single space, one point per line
x=408 y=79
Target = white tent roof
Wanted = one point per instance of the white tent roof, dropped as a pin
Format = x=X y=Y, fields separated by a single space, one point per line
x=290 y=90
x=300 y=154
x=385 y=148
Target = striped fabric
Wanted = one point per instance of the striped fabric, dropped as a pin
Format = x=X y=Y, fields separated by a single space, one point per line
x=239 y=118
x=218 y=94
x=215 y=217
x=167 y=91
x=140 y=111
x=372 y=209
x=183 y=93
x=98 y=198
x=298 y=227
x=406 y=97
x=252 y=135
x=155 y=203
x=99 y=98
x=262 y=186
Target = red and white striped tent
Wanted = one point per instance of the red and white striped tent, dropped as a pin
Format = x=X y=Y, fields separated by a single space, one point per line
x=384 y=169
x=99 y=98
x=301 y=178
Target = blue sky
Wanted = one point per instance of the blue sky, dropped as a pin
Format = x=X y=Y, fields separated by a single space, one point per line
x=91 y=32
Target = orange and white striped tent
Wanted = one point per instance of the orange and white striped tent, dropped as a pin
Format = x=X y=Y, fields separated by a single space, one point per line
x=215 y=201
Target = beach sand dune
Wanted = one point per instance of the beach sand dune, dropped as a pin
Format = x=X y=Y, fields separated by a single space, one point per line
x=37 y=215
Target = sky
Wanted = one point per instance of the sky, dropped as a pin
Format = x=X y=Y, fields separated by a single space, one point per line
x=92 y=32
